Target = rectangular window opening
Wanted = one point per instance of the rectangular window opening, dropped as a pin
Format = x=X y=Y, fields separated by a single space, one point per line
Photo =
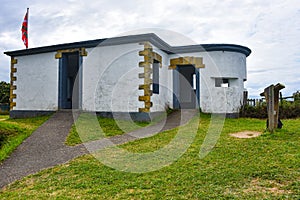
x=222 y=82
x=155 y=77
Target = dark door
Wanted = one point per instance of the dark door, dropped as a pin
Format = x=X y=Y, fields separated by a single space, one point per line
x=187 y=86
x=68 y=86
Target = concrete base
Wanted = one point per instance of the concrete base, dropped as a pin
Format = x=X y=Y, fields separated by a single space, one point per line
x=14 y=114
x=232 y=115
x=134 y=116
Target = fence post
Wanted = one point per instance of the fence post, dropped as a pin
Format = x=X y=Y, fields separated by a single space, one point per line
x=271 y=94
x=281 y=99
x=245 y=98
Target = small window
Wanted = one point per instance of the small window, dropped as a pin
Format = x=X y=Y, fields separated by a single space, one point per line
x=155 y=67
x=222 y=82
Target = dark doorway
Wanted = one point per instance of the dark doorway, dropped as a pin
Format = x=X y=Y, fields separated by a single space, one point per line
x=68 y=81
x=187 y=87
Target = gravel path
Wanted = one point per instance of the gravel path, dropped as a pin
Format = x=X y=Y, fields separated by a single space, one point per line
x=45 y=147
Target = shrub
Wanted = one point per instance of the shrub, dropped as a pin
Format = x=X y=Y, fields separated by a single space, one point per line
x=287 y=110
x=259 y=111
x=4 y=92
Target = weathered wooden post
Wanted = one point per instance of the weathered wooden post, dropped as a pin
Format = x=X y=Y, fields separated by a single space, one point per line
x=271 y=94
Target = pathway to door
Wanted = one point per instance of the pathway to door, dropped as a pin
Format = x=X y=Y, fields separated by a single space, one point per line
x=45 y=147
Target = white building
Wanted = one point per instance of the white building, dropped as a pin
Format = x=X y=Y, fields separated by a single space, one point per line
x=136 y=74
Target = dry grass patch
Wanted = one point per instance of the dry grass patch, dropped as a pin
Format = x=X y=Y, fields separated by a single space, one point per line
x=246 y=134
x=266 y=187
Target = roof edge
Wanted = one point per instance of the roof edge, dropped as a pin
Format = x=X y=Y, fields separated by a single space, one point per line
x=212 y=47
x=150 y=37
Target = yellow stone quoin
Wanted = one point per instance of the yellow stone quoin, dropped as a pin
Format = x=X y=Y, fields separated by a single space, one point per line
x=13 y=87
x=188 y=60
x=82 y=52
x=149 y=57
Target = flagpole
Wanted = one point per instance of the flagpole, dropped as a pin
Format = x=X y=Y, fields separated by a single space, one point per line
x=27 y=27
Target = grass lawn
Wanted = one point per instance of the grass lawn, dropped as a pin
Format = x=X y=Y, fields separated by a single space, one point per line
x=3 y=117
x=265 y=167
x=109 y=127
x=14 y=131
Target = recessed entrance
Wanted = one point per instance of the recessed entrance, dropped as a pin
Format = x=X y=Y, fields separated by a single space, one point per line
x=69 y=83
x=186 y=87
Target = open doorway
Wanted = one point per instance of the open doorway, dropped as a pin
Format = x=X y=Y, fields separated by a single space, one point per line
x=186 y=87
x=69 y=84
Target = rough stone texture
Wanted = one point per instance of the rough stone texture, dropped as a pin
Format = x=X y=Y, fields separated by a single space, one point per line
x=45 y=147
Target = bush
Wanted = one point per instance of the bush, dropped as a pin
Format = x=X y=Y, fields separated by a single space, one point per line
x=287 y=110
x=259 y=111
x=4 y=92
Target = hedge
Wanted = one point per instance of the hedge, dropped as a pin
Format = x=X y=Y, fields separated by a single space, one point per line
x=287 y=110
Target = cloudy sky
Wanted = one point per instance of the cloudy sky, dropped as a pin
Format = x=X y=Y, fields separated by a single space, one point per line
x=270 y=28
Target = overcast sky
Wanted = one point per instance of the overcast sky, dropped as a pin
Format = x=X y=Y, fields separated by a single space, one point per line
x=270 y=28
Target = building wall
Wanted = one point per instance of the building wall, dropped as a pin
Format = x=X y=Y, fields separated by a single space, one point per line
x=37 y=82
x=110 y=78
x=221 y=64
x=164 y=99
x=110 y=81
x=228 y=65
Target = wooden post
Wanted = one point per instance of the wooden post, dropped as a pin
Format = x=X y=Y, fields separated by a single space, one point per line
x=271 y=94
x=245 y=97
x=277 y=87
x=280 y=97
x=269 y=91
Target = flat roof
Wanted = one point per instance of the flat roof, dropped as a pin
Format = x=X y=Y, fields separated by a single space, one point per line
x=149 y=37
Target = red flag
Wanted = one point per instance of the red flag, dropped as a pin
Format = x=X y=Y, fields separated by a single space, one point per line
x=25 y=30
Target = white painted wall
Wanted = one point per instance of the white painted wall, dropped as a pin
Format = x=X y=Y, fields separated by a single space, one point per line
x=228 y=65
x=110 y=78
x=37 y=82
x=220 y=64
x=164 y=99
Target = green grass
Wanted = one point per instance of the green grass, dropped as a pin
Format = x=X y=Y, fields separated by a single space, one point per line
x=14 y=131
x=3 y=117
x=266 y=167
x=90 y=129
